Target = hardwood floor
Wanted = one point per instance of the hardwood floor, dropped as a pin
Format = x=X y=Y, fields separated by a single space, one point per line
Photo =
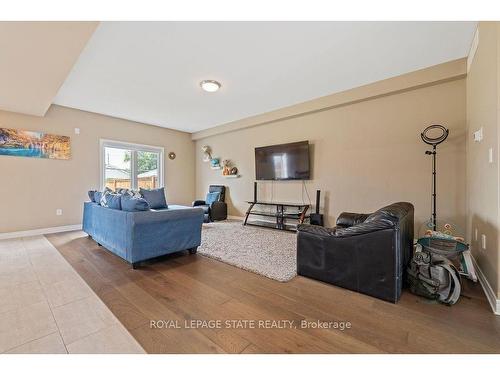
x=188 y=287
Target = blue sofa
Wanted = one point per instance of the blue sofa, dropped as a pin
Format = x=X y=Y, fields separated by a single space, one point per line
x=142 y=235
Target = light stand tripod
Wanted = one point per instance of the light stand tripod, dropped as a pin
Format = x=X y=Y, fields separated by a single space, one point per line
x=434 y=135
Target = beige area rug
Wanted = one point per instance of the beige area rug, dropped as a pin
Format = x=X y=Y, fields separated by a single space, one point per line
x=268 y=252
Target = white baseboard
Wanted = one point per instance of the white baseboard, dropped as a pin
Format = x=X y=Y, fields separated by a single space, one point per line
x=488 y=290
x=37 y=232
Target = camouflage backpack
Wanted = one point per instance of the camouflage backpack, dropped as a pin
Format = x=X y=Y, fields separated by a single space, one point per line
x=434 y=277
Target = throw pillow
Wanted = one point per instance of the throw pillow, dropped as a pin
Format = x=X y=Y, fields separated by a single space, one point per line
x=132 y=204
x=155 y=197
x=111 y=200
x=97 y=197
x=212 y=197
x=132 y=193
x=92 y=195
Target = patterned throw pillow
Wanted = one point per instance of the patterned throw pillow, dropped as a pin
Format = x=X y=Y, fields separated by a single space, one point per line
x=101 y=197
x=129 y=192
x=111 y=200
x=98 y=195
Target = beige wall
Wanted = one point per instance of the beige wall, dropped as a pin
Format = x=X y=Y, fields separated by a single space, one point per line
x=482 y=177
x=365 y=155
x=32 y=189
x=37 y=56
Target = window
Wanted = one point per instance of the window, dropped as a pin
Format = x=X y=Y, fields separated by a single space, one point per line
x=130 y=166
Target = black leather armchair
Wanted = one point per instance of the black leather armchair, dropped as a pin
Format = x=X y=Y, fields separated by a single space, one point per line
x=367 y=253
x=217 y=210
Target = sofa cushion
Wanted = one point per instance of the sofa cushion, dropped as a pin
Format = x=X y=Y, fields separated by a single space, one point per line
x=155 y=197
x=212 y=197
x=389 y=214
x=132 y=204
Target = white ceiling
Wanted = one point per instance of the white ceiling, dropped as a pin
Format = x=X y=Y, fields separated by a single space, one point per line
x=150 y=71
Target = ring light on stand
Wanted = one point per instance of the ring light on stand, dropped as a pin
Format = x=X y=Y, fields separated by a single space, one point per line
x=434 y=135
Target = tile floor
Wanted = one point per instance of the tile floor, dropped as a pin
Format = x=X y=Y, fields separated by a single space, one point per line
x=45 y=307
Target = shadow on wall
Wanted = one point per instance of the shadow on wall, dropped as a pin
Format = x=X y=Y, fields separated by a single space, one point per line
x=488 y=258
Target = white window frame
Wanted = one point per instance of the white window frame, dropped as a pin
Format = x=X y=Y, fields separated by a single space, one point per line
x=133 y=165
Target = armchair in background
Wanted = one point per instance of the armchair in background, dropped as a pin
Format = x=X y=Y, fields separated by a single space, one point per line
x=214 y=206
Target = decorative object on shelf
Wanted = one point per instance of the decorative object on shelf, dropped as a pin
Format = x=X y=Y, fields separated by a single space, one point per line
x=215 y=163
x=14 y=142
x=171 y=155
x=434 y=135
x=207 y=153
x=226 y=165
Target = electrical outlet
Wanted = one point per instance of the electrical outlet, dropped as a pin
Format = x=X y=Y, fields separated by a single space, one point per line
x=77 y=130
x=59 y=212
x=483 y=241
x=478 y=135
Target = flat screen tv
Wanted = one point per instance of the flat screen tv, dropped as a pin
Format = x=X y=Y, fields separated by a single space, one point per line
x=288 y=161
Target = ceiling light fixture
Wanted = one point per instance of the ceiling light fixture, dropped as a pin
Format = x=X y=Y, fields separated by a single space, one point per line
x=210 y=86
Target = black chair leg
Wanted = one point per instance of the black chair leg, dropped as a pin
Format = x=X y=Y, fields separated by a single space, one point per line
x=193 y=250
x=135 y=265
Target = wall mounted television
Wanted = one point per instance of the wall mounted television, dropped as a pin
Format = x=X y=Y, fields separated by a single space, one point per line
x=288 y=161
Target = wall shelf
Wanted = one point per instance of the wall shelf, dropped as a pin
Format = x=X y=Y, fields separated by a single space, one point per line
x=232 y=176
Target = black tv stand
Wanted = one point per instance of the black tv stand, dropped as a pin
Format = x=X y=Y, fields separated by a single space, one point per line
x=283 y=212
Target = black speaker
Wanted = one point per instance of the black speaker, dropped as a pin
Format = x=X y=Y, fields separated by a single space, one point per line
x=255 y=191
x=317 y=218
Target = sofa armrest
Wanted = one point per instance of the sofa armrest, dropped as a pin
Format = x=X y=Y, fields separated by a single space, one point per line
x=348 y=219
x=218 y=211
x=198 y=202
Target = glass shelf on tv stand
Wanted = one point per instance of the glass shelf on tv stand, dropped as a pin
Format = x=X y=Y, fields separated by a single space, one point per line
x=281 y=213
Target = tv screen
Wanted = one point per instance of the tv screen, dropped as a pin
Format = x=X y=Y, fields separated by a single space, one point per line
x=282 y=162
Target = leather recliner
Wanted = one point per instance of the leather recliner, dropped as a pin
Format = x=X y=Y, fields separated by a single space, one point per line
x=367 y=253
x=217 y=210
